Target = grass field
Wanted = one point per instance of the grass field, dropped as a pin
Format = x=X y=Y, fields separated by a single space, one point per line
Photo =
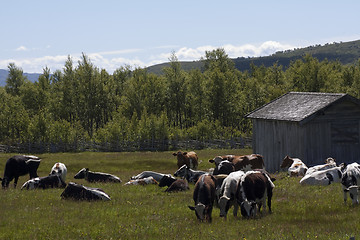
x=147 y=212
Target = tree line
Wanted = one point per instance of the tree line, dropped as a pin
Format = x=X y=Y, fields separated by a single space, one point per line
x=84 y=103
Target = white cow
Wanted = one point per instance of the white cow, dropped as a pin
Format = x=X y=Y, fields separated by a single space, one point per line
x=295 y=166
x=145 y=174
x=142 y=181
x=323 y=177
x=350 y=181
x=227 y=193
x=329 y=163
x=60 y=170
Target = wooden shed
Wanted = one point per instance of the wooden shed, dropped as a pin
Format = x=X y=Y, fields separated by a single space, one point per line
x=310 y=126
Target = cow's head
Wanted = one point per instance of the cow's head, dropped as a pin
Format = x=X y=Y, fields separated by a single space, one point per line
x=82 y=173
x=182 y=171
x=224 y=205
x=217 y=160
x=5 y=182
x=248 y=208
x=354 y=194
x=202 y=212
x=287 y=161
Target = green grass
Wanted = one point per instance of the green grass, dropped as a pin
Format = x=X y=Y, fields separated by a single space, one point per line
x=147 y=212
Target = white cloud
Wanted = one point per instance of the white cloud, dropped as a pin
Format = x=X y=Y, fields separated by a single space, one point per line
x=112 y=60
x=21 y=48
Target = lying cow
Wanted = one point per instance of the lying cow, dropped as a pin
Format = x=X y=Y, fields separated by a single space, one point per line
x=60 y=170
x=350 y=181
x=295 y=166
x=96 y=176
x=51 y=181
x=243 y=163
x=188 y=158
x=142 y=181
x=174 y=184
x=204 y=196
x=323 y=177
x=19 y=165
x=253 y=189
x=190 y=175
x=157 y=176
x=79 y=192
x=329 y=163
x=228 y=192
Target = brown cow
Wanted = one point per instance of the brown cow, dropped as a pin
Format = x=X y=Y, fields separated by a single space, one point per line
x=244 y=163
x=204 y=196
x=188 y=158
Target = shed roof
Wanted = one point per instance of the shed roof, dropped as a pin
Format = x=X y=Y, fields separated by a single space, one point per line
x=297 y=106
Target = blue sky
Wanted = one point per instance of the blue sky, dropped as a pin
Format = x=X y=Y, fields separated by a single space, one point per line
x=37 y=34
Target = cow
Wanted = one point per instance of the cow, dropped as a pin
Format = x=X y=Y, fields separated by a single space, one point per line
x=224 y=167
x=96 y=176
x=350 y=181
x=204 y=196
x=51 y=181
x=188 y=158
x=59 y=169
x=79 y=192
x=19 y=165
x=252 y=190
x=243 y=163
x=142 y=181
x=157 y=176
x=227 y=193
x=295 y=166
x=174 y=184
x=190 y=175
x=323 y=177
x=329 y=163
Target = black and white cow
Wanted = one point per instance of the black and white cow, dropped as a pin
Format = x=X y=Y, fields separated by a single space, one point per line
x=142 y=181
x=224 y=167
x=96 y=176
x=204 y=196
x=350 y=181
x=190 y=175
x=323 y=177
x=174 y=184
x=19 y=165
x=227 y=193
x=253 y=189
x=60 y=170
x=51 y=181
x=79 y=192
x=157 y=176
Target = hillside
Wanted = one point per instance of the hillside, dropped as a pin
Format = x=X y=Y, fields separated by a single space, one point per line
x=345 y=52
x=4 y=73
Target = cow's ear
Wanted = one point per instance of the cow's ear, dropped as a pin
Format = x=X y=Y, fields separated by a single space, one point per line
x=192 y=208
x=174 y=154
x=184 y=153
x=211 y=161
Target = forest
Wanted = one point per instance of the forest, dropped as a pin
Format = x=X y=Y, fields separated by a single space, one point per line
x=84 y=103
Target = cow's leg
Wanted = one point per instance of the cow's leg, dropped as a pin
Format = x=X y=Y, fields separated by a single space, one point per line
x=236 y=207
x=15 y=181
x=345 y=193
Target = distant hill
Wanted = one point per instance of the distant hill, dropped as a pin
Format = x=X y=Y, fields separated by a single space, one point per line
x=345 y=52
x=4 y=73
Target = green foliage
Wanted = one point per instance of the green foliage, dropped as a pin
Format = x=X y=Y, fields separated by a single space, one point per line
x=84 y=102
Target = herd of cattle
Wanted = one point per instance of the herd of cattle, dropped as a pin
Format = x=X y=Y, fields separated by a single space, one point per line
x=238 y=181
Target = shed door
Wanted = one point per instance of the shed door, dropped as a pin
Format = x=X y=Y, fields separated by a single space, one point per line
x=345 y=141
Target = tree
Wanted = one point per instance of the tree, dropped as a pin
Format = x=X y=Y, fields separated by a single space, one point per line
x=14 y=80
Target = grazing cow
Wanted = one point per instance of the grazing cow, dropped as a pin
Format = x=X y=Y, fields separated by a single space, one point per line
x=224 y=167
x=96 y=176
x=252 y=190
x=79 y=192
x=157 y=176
x=174 y=184
x=228 y=192
x=204 y=196
x=295 y=166
x=190 y=175
x=51 y=181
x=350 y=180
x=59 y=169
x=188 y=158
x=142 y=181
x=243 y=163
x=323 y=177
x=329 y=163
x=19 y=165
